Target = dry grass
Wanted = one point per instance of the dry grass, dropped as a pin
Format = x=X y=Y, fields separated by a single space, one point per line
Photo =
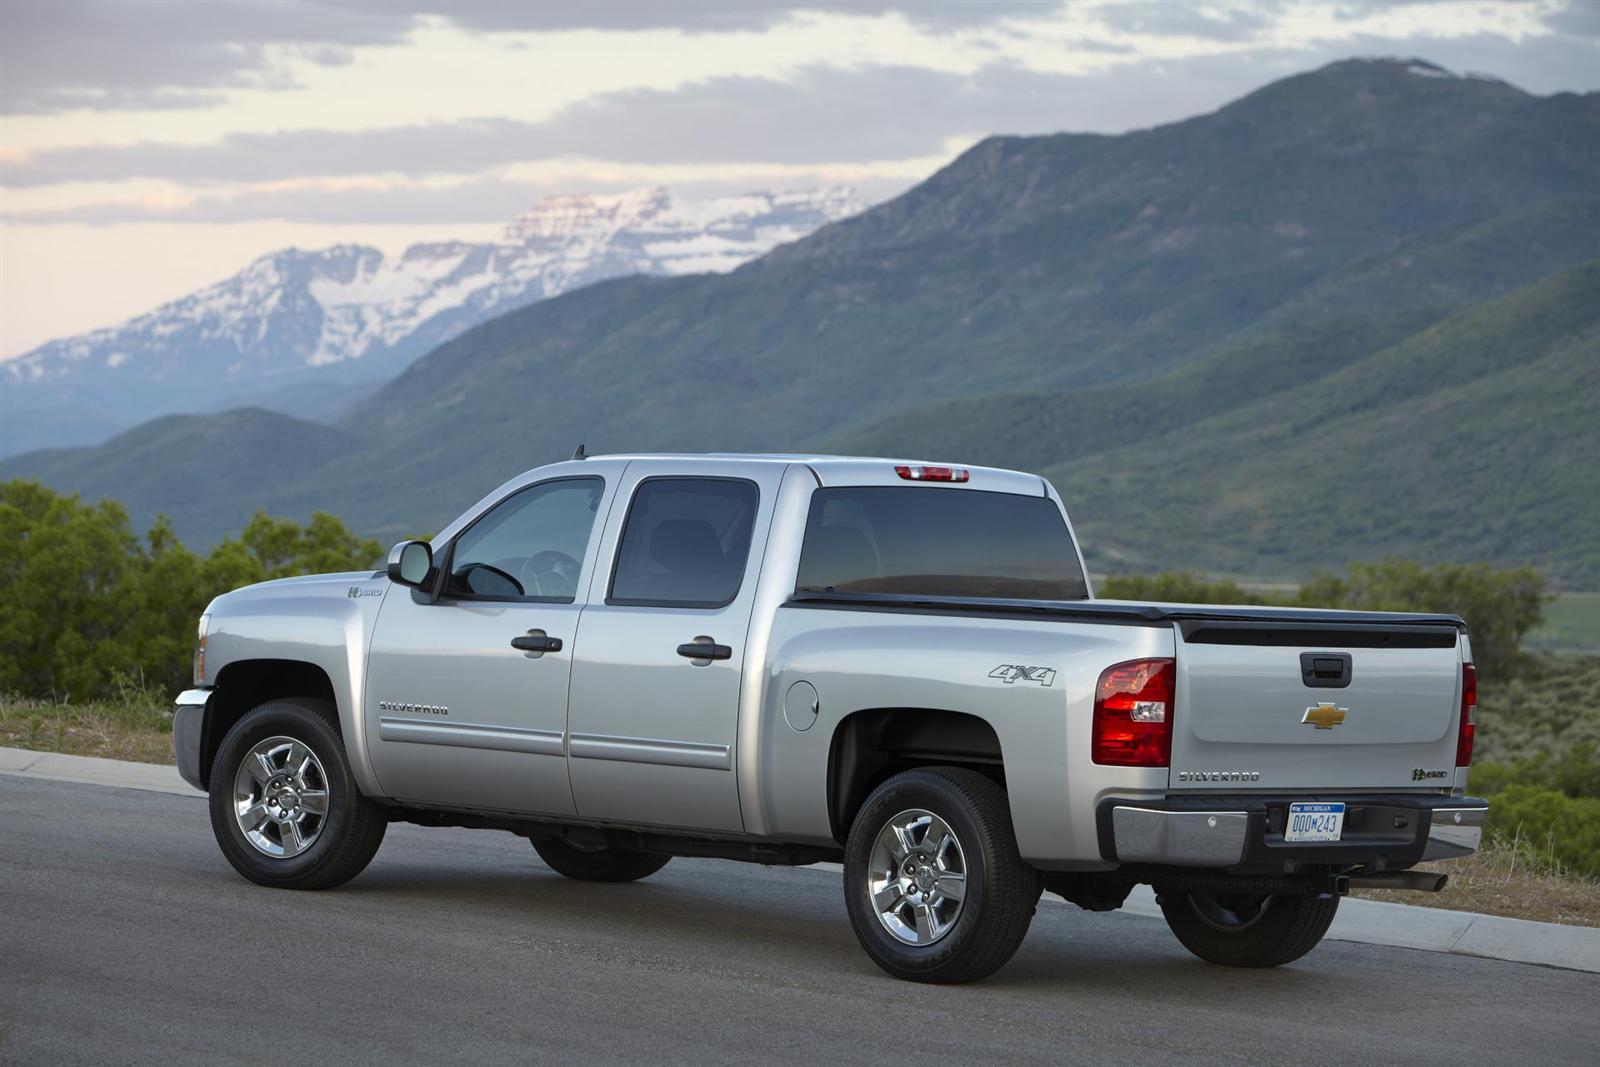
x=136 y=728
x=1506 y=878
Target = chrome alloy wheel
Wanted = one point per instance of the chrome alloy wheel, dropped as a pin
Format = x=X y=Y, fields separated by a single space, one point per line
x=280 y=797
x=917 y=877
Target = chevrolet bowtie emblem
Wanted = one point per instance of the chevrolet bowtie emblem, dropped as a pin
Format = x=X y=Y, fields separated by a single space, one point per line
x=1324 y=716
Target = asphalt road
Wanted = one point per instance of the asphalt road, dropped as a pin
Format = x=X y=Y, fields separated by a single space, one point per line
x=125 y=938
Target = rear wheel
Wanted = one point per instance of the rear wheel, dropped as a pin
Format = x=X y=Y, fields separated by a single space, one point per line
x=934 y=886
x=284 y=806
x=1241 y=930
x=600 y=864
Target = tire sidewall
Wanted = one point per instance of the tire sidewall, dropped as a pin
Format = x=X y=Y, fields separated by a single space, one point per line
x=1291 y=926
x=933 y=793
x=302 y=723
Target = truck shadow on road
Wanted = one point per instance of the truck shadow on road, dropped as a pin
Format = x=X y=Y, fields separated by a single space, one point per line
x=789 y=926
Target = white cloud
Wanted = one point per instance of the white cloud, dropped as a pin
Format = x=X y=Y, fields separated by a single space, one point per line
x=322 y=112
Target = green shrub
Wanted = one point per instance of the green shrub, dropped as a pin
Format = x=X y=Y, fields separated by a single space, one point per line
x=1550 y=827
x=1173 y=587
x=89 y=606
x=1499 y=606
x=1552 y=708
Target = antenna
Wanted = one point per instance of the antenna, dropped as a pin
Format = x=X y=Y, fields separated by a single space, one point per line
x=580 y=453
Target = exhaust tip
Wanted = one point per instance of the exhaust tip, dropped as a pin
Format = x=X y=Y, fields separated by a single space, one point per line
x=1416 y=881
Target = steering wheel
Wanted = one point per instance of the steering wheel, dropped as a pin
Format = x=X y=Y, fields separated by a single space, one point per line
x=552 y=573
x=509 y=586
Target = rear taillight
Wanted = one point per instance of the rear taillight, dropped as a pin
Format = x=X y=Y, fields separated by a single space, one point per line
x=1133 y=713
x=1469 y=715
x=924 y=473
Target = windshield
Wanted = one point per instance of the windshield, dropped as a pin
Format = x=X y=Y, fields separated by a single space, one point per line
x=938 y=542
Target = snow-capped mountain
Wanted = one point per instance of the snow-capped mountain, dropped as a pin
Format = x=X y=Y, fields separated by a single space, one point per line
x=350 y=307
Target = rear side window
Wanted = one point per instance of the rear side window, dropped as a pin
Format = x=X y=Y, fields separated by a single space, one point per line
x=938 y=542
x=685 y=542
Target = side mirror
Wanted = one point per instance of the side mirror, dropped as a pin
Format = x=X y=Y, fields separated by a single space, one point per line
x=410 y=562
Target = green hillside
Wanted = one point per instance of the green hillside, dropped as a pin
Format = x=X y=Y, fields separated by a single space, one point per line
x=1101 y=305
x=1476 y=439
x=202 y=470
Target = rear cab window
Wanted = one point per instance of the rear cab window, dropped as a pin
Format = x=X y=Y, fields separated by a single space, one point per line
x=938 y=542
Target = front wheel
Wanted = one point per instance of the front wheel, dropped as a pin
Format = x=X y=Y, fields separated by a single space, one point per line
x=933 y=883
x=284 y=806
x=1242 y=930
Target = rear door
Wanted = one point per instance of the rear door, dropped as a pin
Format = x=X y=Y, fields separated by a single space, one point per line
x=655 y=681
x=1269 y=706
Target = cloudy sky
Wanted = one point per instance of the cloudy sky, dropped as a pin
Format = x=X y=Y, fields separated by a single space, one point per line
x=149 y=148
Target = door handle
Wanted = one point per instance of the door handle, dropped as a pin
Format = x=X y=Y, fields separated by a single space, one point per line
x=704 y=648
x=536 y=641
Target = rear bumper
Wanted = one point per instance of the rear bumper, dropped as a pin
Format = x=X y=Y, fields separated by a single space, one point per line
x=188 y=727
x=1244 y=835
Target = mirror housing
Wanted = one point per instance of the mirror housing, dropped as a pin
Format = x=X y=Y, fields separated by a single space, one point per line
x=410 y=563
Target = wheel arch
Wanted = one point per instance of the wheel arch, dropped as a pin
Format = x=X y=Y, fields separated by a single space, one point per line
x=871 y=744
x=246 y=684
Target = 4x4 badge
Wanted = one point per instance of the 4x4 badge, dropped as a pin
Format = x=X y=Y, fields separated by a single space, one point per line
x=1324 y=716
x=1011 y=672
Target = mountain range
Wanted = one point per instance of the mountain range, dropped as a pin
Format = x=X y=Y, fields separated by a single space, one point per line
x=1353 y=313
x=307 y=332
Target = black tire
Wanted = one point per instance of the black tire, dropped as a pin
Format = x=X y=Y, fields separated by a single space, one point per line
x=347 y=836
x=1000 y=894
x=1244 y=931
x=598 y=865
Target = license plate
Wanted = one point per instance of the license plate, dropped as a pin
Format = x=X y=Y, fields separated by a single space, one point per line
x=1314 y=822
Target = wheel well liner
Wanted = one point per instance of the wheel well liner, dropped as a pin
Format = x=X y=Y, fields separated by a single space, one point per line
x=870 y=745
x=245 y=684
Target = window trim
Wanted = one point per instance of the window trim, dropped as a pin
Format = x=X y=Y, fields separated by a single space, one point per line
x=622 y=537
x=443 y=596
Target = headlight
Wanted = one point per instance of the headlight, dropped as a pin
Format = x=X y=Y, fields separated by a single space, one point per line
x=200 y=651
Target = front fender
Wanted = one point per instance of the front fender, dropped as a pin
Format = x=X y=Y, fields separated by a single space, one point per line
x=325 y=621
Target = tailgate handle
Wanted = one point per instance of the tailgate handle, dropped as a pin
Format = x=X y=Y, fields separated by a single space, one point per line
x=1325 y=670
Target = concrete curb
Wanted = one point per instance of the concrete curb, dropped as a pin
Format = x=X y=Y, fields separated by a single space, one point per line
x=1369 y=922
x=91 y=770
x=1462 y=933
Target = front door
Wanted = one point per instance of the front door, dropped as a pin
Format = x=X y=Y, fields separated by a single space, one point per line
x=457 y=716
x=655 y=682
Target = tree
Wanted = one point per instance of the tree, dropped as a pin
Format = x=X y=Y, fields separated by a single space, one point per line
x=281 y=547
x=1500 y=606
x=61 y=566
x=88 y=603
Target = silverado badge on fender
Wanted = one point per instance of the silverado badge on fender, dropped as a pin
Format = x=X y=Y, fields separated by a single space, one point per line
x=1324 y=716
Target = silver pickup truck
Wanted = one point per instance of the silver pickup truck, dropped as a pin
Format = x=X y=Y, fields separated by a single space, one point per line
x=802 y=659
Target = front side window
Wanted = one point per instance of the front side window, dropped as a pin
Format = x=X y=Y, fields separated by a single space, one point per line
x=528 y=546
x=938 y=542
x=685 y=542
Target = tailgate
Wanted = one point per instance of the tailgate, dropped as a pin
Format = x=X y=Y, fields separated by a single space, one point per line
x=1313 y=707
